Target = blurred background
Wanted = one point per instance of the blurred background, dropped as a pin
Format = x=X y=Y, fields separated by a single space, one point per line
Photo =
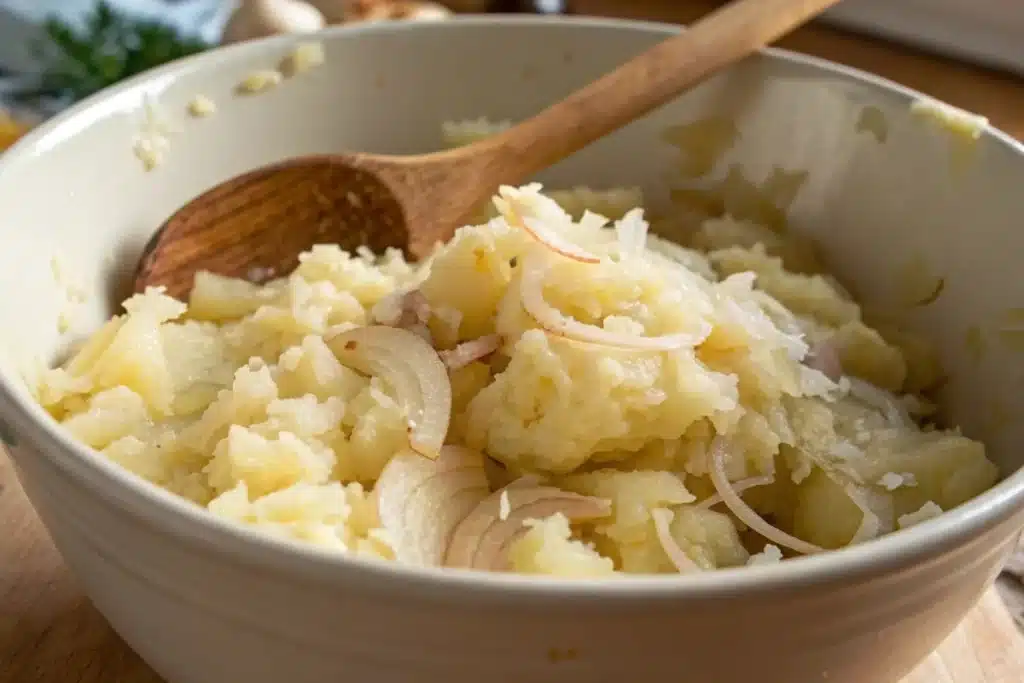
x=54 y=52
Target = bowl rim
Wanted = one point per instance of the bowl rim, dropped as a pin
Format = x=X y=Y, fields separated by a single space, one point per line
x=166 y=513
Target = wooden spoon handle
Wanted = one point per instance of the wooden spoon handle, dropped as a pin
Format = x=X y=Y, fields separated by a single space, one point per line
x=645 y=83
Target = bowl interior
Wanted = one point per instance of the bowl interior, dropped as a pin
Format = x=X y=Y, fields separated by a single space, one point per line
x=892 y=197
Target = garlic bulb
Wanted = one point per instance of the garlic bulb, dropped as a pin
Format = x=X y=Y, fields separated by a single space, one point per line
x=261 y=18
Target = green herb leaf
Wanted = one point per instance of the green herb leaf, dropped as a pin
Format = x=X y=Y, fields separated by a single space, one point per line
x=110 y=48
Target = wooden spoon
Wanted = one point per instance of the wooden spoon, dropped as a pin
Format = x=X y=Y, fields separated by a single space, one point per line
x=257 y=224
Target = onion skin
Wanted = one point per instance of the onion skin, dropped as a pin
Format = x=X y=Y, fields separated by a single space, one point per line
x=824 y=357
x=402 y=309
x=470 y=351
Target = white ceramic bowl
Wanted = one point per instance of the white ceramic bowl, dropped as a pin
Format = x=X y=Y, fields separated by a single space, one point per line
x=204 y=602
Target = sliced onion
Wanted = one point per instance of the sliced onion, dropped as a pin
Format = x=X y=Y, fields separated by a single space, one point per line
x=415 y=309
x=824 y=357
x=531 y=294
x=423 y=332
x=882 y=400
x=420 y=501
x=744 y=512
x=449 y=321
x=482 y=539
x=408 y=310
x=631 y=233
x=543 y=233
x=388 y=311
x=402 y=309
x=875 y=508
x=662 y=520
x=470 y=351
x=737 y=486
x=415 y=371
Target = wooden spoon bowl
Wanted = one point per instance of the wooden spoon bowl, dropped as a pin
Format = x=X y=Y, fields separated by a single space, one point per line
x=255 y=226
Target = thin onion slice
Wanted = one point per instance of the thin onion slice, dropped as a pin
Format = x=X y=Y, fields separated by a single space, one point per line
x=400 y=308
x=415 y=371
x=662 y=528
x=423 y=332
x=531 y=294
x=470 y=351
x=415 y=309
x=737 y=486
x=420 y=501
x=482 y=539
x=882 y=400
x=744 y=512
x=388 y=311
x=875 y=509
x=543 y=233
x=409 y=310
x=631 y=233
x=824 y=357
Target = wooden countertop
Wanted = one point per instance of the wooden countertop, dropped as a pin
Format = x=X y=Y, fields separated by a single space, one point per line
x=50 y=634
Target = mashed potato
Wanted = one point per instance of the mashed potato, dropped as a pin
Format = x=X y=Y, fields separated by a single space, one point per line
x=550 y=393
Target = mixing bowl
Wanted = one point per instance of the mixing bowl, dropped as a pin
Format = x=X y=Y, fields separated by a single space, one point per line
x=885 y=187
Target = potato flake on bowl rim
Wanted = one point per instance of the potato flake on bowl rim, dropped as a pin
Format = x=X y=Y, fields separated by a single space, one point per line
x=304 y=57
x=201 y=106
x=259 y=81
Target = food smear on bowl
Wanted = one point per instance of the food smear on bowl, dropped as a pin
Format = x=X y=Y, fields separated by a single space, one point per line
x=201 y=106
x=957 y=121
x=259 y=81
x=963 y=127
x=304 y=57
x=546 y=394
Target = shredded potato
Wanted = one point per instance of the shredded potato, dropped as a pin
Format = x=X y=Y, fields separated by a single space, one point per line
x=241 y=400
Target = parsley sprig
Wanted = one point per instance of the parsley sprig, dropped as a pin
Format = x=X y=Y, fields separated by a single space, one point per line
x=109 y=48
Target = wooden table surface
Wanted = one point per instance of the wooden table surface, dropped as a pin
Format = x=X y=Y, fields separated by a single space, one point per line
x=50 y=634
